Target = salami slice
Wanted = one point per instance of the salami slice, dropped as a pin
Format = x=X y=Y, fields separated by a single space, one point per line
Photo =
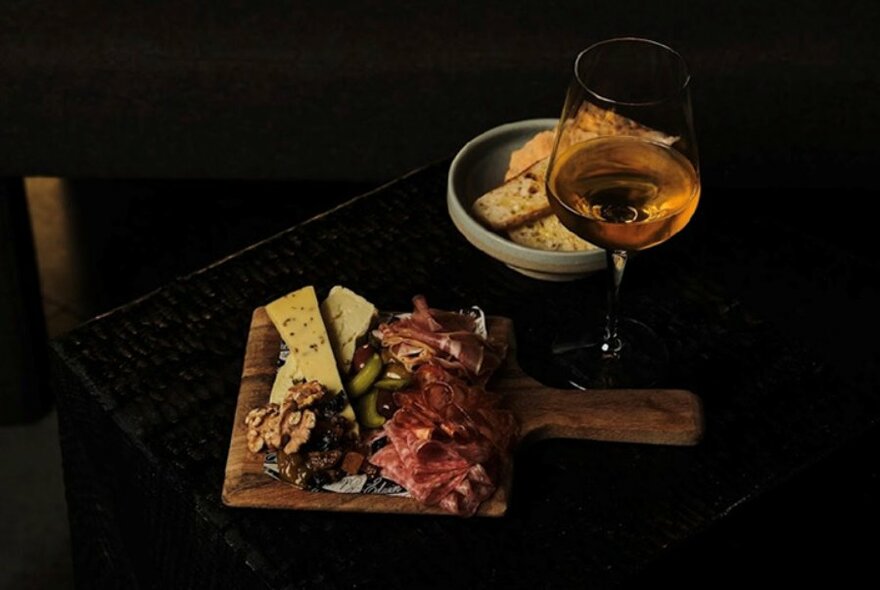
x=447 y=441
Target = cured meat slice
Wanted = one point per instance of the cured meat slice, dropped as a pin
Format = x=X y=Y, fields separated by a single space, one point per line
x=445 y=338
x=447 y=442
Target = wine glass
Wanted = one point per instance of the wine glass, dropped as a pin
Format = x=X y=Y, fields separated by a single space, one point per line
x=623 y=174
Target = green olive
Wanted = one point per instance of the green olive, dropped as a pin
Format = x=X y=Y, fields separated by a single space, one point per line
x=395 y=370
x=395 y=377
x=361 y=382
x=366 y=411
x=392 y=384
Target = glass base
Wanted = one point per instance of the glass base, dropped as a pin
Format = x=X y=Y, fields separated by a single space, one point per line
x=641 y=361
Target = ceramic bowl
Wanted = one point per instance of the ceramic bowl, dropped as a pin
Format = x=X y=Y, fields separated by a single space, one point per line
x=479 y=167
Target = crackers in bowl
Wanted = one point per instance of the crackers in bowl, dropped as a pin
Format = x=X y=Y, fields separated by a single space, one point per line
x=519 y=208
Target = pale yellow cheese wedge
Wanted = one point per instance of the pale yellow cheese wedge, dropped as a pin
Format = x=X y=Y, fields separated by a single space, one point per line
x=347 y=316
x=297 y=317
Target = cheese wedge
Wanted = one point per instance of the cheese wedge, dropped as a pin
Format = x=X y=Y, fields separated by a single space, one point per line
x=347 y=316
x=297 y=318
x=288 y=375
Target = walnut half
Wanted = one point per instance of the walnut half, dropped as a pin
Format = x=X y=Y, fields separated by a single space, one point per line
x=306 y=394
x=296 y=427
x=262 y=424
x=288 y=426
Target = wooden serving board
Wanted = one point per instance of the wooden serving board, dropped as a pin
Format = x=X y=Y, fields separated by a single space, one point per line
x=652 y=416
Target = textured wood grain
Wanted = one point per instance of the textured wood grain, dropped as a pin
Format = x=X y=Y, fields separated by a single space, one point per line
x=638 y=416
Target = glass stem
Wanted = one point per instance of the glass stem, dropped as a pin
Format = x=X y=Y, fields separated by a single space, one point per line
x=616 y=260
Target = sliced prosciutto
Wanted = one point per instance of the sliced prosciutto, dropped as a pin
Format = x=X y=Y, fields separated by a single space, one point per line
x=447 y=442
x=444 y=338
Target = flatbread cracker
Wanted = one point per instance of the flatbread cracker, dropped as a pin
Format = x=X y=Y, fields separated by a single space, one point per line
x=590 y=122
x=548 y=233
x=535 y=149
x=518 y=201
x=593 y=121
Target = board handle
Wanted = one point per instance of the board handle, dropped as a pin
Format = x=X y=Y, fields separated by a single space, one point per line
x=652 y=416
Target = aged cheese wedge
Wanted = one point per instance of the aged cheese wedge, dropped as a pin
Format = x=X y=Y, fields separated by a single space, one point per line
x=298 y=319
x=347 y=316
x=288 y=375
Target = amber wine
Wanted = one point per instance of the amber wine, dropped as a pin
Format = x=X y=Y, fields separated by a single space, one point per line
x=623 y=193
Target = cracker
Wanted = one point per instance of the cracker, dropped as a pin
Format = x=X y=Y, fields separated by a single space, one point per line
x=534 y=150
x=590 y=122
x=517 y=201
x=548 y=233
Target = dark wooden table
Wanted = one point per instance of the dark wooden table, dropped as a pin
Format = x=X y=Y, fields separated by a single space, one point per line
x=146 y=396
